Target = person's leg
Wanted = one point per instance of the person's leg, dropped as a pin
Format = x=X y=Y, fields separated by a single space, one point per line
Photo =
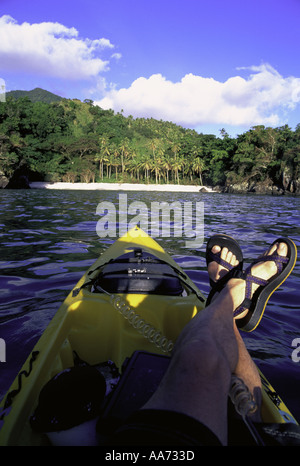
x=198 y=378
x=206 y=354
x=248 y=372
x=245 y=369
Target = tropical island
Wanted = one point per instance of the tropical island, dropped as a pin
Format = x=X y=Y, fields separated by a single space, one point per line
x=46 y=138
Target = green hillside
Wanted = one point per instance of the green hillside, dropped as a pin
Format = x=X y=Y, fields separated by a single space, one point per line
x=69 y=140
x=36 y=95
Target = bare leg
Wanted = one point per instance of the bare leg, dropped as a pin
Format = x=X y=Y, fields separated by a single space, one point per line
x=245 y=369
x=204 y=357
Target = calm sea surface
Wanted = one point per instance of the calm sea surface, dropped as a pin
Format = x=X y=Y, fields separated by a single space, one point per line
x=48 y=239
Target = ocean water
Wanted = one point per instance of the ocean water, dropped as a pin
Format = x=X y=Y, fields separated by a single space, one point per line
x=48 y=238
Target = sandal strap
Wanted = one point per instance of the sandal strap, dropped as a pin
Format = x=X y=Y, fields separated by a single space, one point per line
x=243 y=307
x=251 y=279
x=218 y=286
x=279 y=261
x=216 y=257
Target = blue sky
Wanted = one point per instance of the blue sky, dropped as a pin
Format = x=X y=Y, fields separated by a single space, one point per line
x=205 y=65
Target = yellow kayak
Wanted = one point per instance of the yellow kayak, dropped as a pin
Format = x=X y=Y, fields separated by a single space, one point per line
x=134 y=298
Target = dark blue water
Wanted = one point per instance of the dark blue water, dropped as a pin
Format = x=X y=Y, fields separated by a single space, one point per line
x=48 y=239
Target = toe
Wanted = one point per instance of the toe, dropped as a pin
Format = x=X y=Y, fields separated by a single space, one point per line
x=229 y=257
x=216 y=249
x=282 y=249
x=224 y=253
x=233 y=260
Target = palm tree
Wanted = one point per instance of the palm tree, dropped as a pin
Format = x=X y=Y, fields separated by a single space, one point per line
x=103 y=155
x=160 y=162
x=177 y=165
x=109 y=164
x=124 y=152
x=147 y=166
x=157 y=167
x=154 y=144
x=115 y=161
x=198 y=166
x=175 y=148
x=134 y=166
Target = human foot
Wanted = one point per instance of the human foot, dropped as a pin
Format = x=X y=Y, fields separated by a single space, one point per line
x=223 y=254
x=261 y=272
x=257 y=283
x=217 y=270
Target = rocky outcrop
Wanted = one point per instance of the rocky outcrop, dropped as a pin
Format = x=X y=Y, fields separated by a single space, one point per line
x=206 y=189
x=289 y=183
x=3 y=180
x=288 y=187
x=19 y=180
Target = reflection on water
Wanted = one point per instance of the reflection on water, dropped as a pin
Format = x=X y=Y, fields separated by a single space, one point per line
x=48 y=239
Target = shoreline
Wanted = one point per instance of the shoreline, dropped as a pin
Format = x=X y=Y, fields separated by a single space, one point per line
x=121 y=187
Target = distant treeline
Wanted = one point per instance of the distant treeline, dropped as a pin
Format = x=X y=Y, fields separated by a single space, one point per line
x=72 y=141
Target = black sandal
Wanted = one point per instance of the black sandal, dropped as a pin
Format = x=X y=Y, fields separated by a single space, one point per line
x=257 y=304
x=224 y=241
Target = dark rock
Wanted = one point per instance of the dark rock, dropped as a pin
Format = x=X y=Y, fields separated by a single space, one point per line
x=18 y=181
x=263 y=188
x=203 y=189
x=277 y=191
x=238 y=188
x=286 y=178
x=219 y=189
x=3 y=180
x=294 y=187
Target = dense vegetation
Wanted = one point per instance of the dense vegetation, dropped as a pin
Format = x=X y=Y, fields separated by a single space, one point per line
x=36 y=95
x=70 y=140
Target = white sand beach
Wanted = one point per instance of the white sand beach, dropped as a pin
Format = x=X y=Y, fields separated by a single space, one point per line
x=121 y=187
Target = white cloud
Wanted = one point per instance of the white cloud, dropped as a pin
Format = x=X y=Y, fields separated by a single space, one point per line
x=49 y=49
x=116 y=56
x=258 y=99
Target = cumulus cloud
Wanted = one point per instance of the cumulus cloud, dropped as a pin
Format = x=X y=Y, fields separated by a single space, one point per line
x=50 y=49
x=195 y=100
